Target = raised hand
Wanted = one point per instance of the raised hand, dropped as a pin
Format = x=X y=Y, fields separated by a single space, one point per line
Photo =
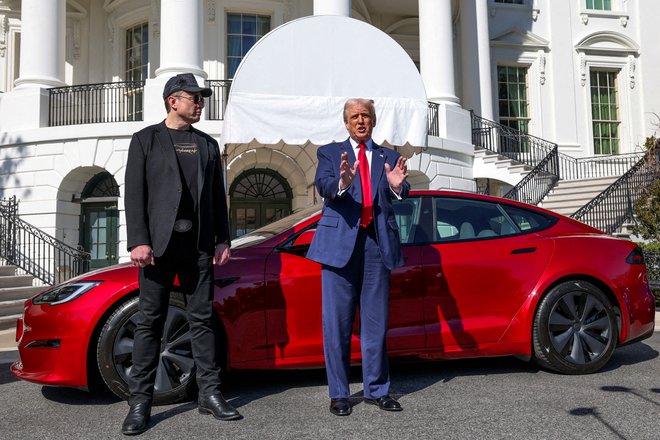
x=346 y=172
x=397 y=175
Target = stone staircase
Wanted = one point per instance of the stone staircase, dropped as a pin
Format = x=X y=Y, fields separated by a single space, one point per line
x=570 y=195
x=14 y=290
x=501 y=167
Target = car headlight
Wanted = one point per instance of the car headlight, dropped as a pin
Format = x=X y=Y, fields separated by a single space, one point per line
x=64 y=292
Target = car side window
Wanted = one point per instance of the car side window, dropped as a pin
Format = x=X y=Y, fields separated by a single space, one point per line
x=528 y=221
x=463 y=219
x=407 y=213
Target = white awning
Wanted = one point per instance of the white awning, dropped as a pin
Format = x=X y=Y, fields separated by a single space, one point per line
x=291 y=86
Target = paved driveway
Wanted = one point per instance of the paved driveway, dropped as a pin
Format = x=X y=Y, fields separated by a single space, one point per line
x=475 y=399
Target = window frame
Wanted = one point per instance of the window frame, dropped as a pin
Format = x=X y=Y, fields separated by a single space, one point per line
x=617 y=122
x=228 y=56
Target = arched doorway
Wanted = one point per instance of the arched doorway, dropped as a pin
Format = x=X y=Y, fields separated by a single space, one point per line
x=257 y=197
x=99 y=220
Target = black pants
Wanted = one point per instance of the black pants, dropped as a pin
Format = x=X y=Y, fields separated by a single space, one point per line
x=195 y=271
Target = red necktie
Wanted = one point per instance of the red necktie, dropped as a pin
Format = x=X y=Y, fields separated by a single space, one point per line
x=365 y=180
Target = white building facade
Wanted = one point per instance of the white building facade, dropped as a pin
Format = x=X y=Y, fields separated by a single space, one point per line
x=579 y=73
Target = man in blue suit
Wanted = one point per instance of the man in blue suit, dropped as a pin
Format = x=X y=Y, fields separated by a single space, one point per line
x=357 y=243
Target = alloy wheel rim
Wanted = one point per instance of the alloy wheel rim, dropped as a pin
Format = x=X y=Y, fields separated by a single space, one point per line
x=579 y=327
x=175 y=364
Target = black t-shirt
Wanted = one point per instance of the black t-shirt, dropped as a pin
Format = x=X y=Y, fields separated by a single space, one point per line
x=187 y=153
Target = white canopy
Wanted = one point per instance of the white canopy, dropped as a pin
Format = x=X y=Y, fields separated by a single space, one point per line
x=291 y=86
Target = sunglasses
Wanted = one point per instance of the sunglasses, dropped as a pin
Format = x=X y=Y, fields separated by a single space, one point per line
x=197 y=99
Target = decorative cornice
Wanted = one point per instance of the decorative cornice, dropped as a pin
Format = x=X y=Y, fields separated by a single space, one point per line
x=520 y=38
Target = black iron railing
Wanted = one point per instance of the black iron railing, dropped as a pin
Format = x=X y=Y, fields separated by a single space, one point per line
x=571 y=168
x=217 y=103
x=434 y=126
x=614 y=206
x=535 y=152
x=96 y=103
x=549 y=165
x=36 y=252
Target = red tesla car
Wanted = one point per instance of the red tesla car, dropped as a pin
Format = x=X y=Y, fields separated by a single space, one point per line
x=483 y=276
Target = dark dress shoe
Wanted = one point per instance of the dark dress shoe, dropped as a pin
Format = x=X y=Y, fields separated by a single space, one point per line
x=137 y=419
x=217 y=406
x=386 y=403
x=340 y=407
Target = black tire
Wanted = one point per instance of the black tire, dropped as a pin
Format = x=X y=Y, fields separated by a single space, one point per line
x=175 y=380
x=575 y=329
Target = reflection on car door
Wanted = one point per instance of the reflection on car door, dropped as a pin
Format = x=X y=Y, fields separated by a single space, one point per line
x=406 y=312
x=476 y=277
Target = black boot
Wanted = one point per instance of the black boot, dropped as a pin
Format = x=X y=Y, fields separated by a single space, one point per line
x=137 y=419
x=218 y=407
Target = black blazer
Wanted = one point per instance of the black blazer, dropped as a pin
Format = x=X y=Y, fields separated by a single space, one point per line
x=153 y=190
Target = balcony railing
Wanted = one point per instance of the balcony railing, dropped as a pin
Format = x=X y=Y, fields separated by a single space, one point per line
x=217 y=103
x=34 y=251
x=117 y=102
x=96 y=103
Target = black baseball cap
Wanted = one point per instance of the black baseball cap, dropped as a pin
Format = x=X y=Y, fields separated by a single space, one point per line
x=184 y=82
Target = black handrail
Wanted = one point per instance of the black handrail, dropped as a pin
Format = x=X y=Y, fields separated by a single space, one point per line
x=96 y=103
x=614 y=206
x=36 y=252
x=530 y=150
x=538 y=182
x=549 y=165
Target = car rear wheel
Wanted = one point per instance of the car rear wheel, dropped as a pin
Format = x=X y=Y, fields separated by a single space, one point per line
x=575 y=329
x=175 y=377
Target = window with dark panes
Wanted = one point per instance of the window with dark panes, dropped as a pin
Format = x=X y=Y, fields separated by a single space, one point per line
x=258 y=197
x=512 y=97
x=243 y=31
x=511 y=2
x=604 y=112
x=601 y=5
x=137 y=68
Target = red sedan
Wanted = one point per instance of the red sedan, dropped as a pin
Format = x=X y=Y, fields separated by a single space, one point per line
x=483 y=276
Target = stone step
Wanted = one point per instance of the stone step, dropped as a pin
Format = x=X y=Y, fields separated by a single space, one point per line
x=16 y=281
x=597 y=181
x=8 y=322
x=568 y=196
x=11 y=307
x=24 y=292
x=6 y=271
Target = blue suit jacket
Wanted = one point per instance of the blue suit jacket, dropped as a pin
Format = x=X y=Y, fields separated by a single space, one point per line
x=337 y=230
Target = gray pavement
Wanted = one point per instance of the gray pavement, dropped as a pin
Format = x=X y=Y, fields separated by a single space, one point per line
x=497 y=398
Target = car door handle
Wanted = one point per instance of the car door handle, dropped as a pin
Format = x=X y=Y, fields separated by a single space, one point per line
x=528 y=250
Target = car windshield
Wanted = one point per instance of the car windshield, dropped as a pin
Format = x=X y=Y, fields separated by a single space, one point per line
x=270 y=230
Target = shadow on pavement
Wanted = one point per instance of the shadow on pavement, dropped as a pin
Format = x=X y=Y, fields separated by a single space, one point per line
x=630 y=355
x=6 y=359
x=408 y=377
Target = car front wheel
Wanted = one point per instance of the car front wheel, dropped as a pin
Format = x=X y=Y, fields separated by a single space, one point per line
x=175 y=376
x=575 y=329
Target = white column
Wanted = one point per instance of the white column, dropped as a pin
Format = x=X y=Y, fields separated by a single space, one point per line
x=181 y=25
x=332 y=7
x=475 y=56
x=42 y=43
x=436 y=50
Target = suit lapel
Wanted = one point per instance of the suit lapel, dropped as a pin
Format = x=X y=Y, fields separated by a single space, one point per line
x=203 y=150
x=168 y=149
x=356 y=187
x=377 y=167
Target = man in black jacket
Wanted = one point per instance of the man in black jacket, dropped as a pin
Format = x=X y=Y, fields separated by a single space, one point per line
x=177 y=222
